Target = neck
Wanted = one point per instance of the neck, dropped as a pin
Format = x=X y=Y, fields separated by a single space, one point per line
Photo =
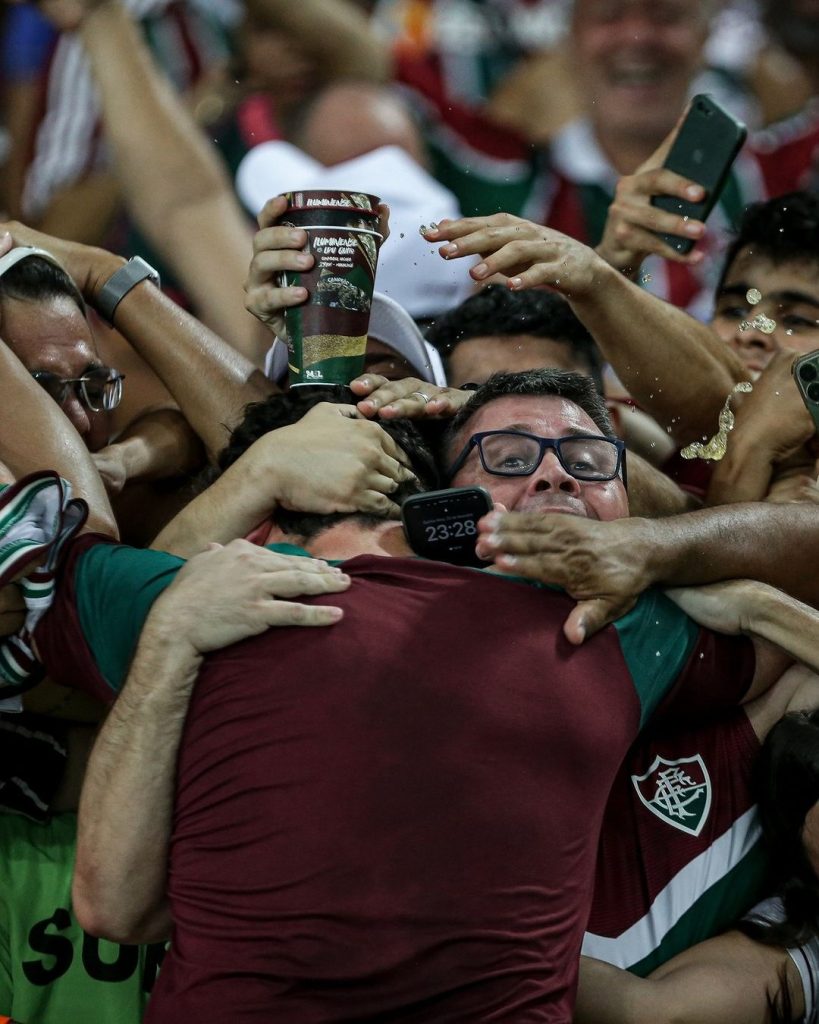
x=625 y=154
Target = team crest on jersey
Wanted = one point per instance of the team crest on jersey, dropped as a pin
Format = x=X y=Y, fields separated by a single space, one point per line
x=678 y=792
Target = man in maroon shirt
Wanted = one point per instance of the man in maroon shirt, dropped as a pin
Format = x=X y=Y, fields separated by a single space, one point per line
x=398 y=820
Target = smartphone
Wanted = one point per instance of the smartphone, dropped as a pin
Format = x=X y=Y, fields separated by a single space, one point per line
x=706 y=146
x=443 y=525
x=806 y=375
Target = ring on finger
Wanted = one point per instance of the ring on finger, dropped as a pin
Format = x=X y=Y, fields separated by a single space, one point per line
x=420 y=394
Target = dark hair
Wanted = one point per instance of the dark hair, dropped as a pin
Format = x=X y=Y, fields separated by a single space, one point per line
x=281 y=410
x=787 y=783
x=782 y=230
x=574 y=387
x=498 y=311
x=34 y=279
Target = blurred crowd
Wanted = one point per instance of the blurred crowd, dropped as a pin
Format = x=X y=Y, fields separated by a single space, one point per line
x=263 y=755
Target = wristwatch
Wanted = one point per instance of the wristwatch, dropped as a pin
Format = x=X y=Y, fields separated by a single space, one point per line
x=120 y=283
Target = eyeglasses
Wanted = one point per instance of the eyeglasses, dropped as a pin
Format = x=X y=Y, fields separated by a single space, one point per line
x=513 y=453
x=99 y=389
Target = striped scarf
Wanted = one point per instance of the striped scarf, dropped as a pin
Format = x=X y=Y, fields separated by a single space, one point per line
x=37 y=517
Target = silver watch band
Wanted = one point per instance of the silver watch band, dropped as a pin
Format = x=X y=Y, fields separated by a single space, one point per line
x=120 y=283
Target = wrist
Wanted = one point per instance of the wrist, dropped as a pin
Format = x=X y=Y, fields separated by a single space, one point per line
x=164 y=646
x=668 y=551
x=102 y=266
x=650 y=548
x=761 y=611
x=603 y=283
x=624 y=261
x=134 y=456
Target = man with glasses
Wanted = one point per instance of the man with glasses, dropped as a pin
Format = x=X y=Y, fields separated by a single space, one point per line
x=541 y=441
x=44 y=323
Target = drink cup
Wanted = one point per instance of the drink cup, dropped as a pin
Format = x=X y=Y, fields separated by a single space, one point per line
x=327 y=334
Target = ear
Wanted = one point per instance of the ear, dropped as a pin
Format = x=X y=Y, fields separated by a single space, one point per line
x=616 y=413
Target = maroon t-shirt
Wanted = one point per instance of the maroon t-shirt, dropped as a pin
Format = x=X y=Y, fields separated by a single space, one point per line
x=395 y=818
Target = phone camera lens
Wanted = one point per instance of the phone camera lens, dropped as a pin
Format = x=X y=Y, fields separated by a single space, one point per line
x=807 y=372
x=813 y=392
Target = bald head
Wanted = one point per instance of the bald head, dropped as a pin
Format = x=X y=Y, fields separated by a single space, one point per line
x=349 y=119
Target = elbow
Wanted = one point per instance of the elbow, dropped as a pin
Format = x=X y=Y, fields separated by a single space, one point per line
x=110 y=916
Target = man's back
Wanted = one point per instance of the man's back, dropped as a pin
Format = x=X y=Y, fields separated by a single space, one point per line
x=395 y=820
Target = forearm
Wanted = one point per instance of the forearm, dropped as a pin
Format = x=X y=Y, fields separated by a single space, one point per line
x=336 y=33
x=610 y=995
x=159 y=445
x=171 y=176
x=35 y=435
x=210 y=381
x=126 y=805
x=84 y=210
x=230 y=507
x=782 y=620
x=773 y=544
x=674 y=366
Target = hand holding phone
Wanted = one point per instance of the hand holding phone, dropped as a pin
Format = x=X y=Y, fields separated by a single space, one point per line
x=707 y=143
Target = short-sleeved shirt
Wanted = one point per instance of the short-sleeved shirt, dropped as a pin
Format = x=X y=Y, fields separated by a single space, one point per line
x=51 y=972
x=680 y=856
x=395 y=818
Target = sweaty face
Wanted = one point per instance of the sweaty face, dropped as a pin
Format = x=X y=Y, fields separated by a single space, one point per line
x=550 y=488
x=787 y=315
x=476 y=359
x=53 y=335
x=638 y=58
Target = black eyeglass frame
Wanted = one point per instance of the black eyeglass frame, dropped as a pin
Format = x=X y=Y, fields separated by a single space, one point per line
x=79 y=386
x=545 y=444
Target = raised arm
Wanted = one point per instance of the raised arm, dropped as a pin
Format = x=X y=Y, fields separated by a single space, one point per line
x=327 y=462
x=756 y=609
x=337 y=34
x=124 y=824
x=172 y=177
x=605 y=565
x=674 y=366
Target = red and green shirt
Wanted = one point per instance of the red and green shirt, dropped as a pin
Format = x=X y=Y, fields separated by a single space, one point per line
x=394 y=818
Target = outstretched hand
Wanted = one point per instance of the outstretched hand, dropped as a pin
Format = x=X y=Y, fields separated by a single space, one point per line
x=603 y=565
x=524 y=253
x=409 y=398
x=226 y=594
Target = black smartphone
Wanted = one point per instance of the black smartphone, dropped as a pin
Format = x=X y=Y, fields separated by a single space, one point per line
x=443 y=525
x=706 y=146
x=806 y=375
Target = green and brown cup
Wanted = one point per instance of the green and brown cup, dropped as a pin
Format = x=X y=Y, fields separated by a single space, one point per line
x=327 y=335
